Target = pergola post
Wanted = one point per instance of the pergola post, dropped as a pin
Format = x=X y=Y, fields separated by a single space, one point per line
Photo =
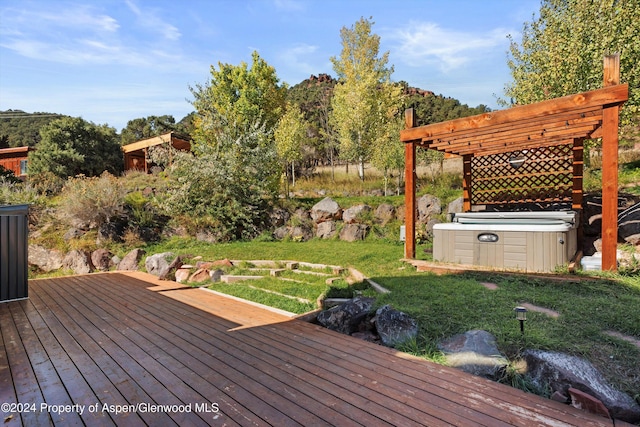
x=578 y=179
x=410 y=188
x=610 y=168
x=466 y=183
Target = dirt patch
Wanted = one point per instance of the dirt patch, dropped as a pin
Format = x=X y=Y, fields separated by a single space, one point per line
x=627 y=338
x=543 y=310
x=489 y=285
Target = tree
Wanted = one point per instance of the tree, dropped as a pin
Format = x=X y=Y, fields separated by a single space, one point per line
x=20 y=129
x=143 y=128
x=238 y=96
x=388 y=153
x=561 y=52
x=72 y=146
x=289 y=134
x=226 y=193
x=365 y=100
x=313 y=97
x=235 y=174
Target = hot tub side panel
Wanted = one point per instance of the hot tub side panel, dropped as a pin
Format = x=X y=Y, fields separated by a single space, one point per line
x=549 y=250
x=535 y=251
x=454 y=246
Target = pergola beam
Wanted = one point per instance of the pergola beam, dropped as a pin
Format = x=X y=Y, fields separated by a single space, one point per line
x=561 y=121
x=585 y=100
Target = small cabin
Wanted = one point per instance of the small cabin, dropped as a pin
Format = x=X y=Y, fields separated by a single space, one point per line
x=136 y=154
x=16 y=160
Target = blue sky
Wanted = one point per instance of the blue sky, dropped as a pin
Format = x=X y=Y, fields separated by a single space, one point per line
x=115 y=60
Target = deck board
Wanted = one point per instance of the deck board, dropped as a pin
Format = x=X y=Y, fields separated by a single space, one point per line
x=126 y=339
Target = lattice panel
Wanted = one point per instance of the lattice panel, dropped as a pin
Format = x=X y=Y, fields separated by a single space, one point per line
x=542 y=174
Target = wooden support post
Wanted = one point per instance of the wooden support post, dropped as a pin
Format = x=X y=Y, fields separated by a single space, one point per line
x=578 y=173
x=576 y=195
x=466 y=183
x=410 y=188
x=610 y=168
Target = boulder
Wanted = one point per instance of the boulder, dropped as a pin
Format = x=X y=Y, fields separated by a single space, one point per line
x=301 y=215
x=474 y=352
x=346 y=318
x=102 y=259
x=429 y=225
x=455 y=207
x=561 y=372
x=182 y=275
x=78 y=261
x=585 y=401
x=281 y=232
x=301 y=233
x=171 y=269
x=326 y=209
x=200 y=275
x=326 y=230
x=385 y=213
x=45 y=259
x=131 y=260
x=115 y=260
x=353 y=232
x=395 y=327
x=216 y=275
x=222 y=263
x=367 y=336
x=72 y=233
x=157 y=264
x=428 y=206
x=351 y=215
x=279 y=217
x=206 y=236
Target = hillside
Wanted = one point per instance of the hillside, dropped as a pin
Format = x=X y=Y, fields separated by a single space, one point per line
x=313 y=95
x=18 y=128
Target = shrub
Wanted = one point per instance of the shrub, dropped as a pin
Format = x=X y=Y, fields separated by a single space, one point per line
x=227 y=189
x=8 y=176
x=46 y=183
x=17 y=193
x=141 y=211
x=91 y=202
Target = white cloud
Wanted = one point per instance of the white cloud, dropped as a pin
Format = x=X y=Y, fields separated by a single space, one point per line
x=426 y=43
x=42 y=20
x=150 y=20
x=82 y=35
x=297 y=59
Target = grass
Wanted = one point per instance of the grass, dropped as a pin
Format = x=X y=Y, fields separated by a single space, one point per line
x=247 y=290
x=452 y=304
x=443 y=305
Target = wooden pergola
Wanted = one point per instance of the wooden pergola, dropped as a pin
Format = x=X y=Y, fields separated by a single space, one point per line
x=528 y=153
x=136 y=154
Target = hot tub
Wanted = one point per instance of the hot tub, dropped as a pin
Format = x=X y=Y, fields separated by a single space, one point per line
x=529 y=241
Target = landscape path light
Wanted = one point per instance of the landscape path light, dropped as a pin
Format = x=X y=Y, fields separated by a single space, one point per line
x=521 y=315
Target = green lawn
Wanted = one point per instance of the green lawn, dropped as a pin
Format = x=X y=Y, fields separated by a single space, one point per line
x=452 y=304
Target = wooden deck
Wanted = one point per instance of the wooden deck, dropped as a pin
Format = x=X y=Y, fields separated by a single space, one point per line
x=119 y=345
